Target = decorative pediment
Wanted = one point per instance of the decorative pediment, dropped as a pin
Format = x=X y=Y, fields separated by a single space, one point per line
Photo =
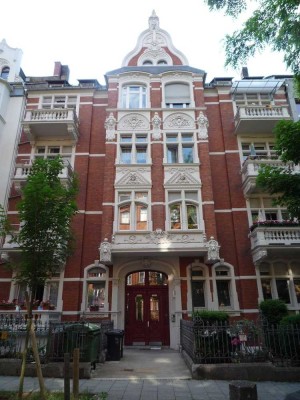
x=132 y=178
x=134 y=121
x=182 y=178
x=179 y=121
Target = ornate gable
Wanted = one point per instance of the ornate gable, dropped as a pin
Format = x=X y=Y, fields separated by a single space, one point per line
x=182 y=178
x=132 y=178
x=154 y=41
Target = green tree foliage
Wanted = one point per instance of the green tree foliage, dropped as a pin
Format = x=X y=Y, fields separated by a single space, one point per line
x=45 y=211
x=281 y=181
x=275 y=23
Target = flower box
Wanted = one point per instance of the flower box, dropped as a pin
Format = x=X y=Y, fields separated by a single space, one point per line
x=273 y=224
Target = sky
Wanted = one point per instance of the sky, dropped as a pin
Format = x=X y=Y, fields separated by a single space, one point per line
x=92 y=37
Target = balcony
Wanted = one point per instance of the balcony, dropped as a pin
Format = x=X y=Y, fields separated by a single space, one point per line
x=259 y=119
x=58 y=123
x=250 y=169
x=272 y=239
x=23 y=170
x=158 y=241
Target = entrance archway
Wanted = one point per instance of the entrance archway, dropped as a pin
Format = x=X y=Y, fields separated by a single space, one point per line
x=147 y=308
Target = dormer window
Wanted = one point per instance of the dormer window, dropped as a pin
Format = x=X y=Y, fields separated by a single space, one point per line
x=134 y=96
x=5 y=72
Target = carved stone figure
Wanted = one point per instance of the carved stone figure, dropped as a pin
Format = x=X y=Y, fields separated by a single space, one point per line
x=105 y=251
x=156 y=121
x=202 y=126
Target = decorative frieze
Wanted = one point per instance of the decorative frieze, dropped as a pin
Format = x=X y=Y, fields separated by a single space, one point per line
x=179 y=121
x=131 y=122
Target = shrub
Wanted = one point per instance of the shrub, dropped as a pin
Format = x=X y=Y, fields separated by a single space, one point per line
x=210 y=316
x=273 y=310
x=291 y=320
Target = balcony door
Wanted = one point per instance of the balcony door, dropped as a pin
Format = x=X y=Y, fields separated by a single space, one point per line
x=147 y=309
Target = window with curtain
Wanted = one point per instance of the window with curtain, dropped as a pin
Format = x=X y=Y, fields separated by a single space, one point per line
x=177 y=95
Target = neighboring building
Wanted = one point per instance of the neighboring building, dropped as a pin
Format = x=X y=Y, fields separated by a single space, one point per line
x=11 y=109
x=167 y=166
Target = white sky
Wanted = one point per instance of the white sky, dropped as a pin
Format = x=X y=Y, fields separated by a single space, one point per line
x=92 y=36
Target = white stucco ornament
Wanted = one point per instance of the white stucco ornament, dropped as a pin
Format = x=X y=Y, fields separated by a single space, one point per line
x=110 y=126
x=213 y=250
x=105 y=252
x=156 y=132
x=203 y=125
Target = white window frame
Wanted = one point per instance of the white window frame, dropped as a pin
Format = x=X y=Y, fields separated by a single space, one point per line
x=132 y=202
x=59 y=101
x=133 y=144
x=260 y=213
x=266 y=271
x=196 y=266
x=87 y=280
x=67 y=157
x=179 y=143
x=183 y=203
x=230 y=277
x=128 y=90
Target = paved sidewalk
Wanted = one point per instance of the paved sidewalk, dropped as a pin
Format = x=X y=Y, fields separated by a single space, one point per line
x=151 y=375
x=155 y=389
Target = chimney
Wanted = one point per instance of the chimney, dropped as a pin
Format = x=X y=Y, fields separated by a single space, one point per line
x=65 y=72
x=57 y=68
x=244 y=73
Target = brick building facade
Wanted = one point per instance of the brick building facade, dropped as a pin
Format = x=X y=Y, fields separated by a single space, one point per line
x=167 y=165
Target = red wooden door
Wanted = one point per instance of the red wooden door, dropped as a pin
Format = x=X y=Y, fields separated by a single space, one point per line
x=147 y=314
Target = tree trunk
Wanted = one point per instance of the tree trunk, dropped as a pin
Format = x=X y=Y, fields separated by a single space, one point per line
x=30 y=332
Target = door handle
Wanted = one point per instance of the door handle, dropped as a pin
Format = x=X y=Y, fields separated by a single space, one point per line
x=148 y=324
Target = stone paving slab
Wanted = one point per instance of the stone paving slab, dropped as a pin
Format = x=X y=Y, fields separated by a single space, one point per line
x=156 y=389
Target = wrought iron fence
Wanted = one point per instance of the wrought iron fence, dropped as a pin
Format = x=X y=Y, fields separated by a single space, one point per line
x=13 y=332
x=54 y=339
x=243 y=341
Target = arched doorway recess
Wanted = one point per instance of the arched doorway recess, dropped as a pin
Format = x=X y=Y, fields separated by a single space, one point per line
x=146 y=308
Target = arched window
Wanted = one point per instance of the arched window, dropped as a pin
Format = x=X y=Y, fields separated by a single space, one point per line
x=5 y=72
x=225 y=294
x=162 y=62
x=133 y=211
x=147 y=62
x=96 y=288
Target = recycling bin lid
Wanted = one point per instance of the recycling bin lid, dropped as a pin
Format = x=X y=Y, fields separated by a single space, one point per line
x=115 y=332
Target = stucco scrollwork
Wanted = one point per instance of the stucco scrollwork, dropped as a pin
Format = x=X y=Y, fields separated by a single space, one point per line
x=203 y=125
x=133 y=122
x=159 y=236
x=110 y=126
x=213 y=250
x=179 y=121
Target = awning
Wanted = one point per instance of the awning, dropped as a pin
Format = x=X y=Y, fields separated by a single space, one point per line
x=267 y=86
